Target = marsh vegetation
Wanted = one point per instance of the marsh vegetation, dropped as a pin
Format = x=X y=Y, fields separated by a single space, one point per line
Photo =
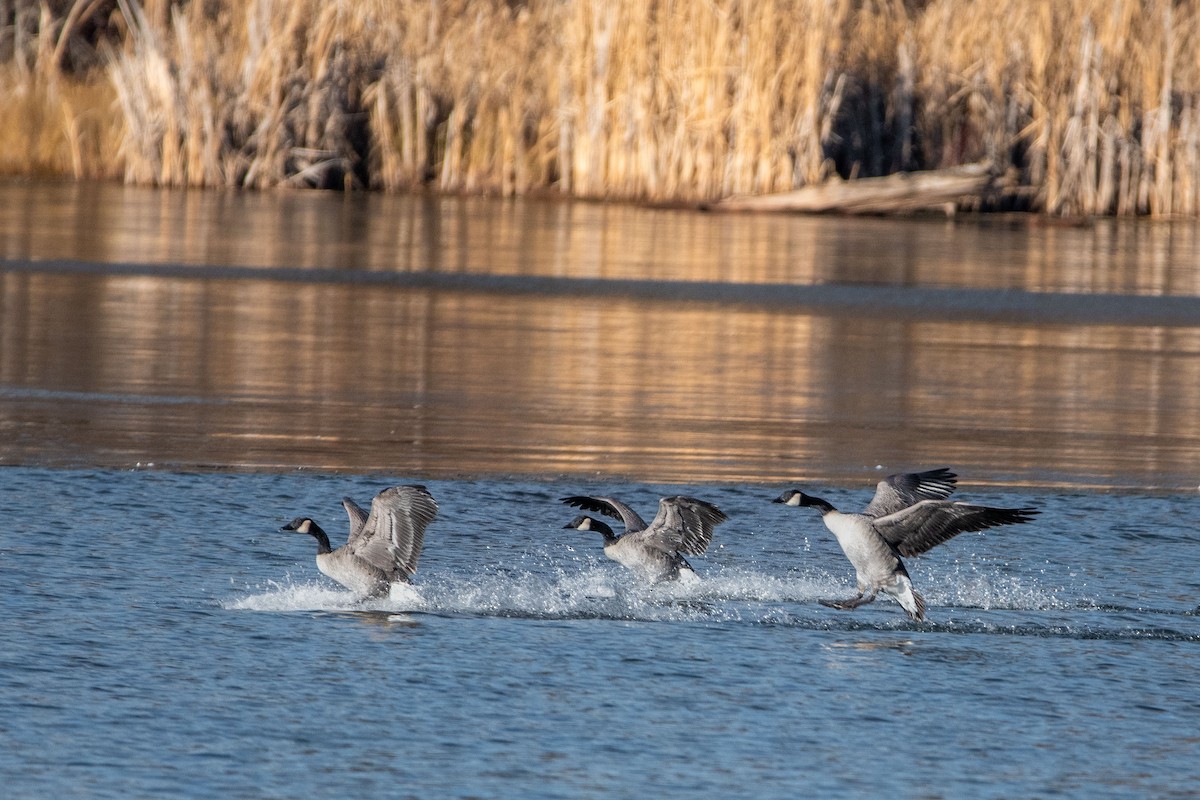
x=1089 y=106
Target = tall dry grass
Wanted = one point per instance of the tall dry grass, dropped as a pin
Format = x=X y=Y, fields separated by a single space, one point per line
x=1093 y=106
x=254 y=95
x=1096 y=103
x=61 y=127
x=53 y=121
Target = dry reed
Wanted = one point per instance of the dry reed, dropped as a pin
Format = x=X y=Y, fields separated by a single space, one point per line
x=1093 y=106
x=62 y=127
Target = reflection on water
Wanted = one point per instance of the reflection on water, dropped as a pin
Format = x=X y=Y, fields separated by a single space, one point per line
x=107 y=223
x=115 y=366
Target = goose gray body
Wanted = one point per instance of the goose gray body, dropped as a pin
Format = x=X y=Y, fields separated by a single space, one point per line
x=383 y=545
x=909 y=515
x=683 y=525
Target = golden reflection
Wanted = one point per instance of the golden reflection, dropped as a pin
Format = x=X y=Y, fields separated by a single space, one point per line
x=117 y=369
x=119 y=224
x=258 y=374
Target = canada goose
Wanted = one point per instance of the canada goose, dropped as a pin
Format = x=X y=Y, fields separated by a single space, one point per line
x=383 y=546
x=908 y=516
x=661 y=566
x=683 y=525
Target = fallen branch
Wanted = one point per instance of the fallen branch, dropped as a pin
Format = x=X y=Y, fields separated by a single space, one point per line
x=904 y=191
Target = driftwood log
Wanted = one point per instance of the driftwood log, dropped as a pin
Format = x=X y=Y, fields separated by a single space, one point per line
x=901 y=192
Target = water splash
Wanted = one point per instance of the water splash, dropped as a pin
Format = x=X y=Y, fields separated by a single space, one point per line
x=964 y=600
x=589 y=593
x=288 y=596
x=967 y=585
x=741 y=594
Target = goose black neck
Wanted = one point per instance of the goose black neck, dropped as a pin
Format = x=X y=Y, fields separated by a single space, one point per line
x=824 y=506
x=314 y=530
x=605 y=531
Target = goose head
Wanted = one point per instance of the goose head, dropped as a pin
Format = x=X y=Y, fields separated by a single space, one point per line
x=306 y=525
x=793 y=497
x=585 y=523
x=302 y=525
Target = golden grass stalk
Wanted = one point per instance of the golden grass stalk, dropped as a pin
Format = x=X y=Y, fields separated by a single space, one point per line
x=60 y=127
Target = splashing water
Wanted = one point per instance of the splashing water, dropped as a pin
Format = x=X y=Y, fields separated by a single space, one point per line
x=601 y=592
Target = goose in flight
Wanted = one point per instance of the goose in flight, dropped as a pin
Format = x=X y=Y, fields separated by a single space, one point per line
x=683 y=526
x=383 y=546
x=908 y=515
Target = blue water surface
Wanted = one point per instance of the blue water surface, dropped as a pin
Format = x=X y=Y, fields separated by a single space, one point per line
x=161 y=638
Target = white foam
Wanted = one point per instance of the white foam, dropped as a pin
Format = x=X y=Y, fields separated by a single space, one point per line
x=605 y=592
x=288 y=596
x=599 y=591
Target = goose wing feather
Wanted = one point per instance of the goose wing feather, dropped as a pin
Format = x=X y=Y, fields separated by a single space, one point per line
x=896 y=492
x=683 y=524
x=358 y=518
x=610 y=507
x=394 y=532
x=922 y=526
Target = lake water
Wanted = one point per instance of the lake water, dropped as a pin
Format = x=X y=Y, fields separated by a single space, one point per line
x=452 y=337
x=181 y=373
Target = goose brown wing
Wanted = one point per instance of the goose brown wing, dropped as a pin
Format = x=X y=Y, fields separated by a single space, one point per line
x=683 y=524
x=903 y=490
x=394 y=532
x=919 y=527
x=610 y=507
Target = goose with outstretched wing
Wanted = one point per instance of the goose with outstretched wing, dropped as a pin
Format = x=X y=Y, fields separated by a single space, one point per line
x=908 y=516
x=683 y=526
x=383 y=546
